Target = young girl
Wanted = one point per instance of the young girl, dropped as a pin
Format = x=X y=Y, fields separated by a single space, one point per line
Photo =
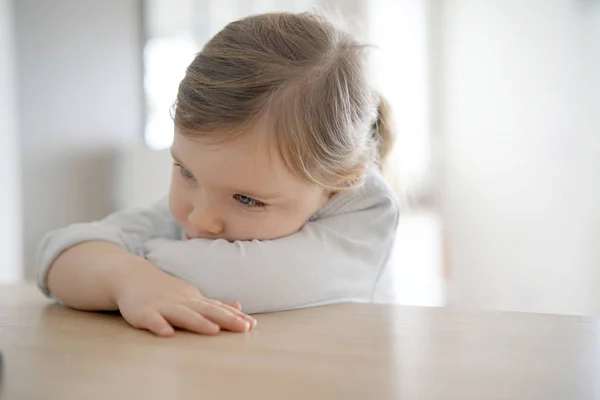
x=276 y=200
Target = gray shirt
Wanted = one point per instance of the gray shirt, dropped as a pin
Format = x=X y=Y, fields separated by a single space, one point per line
x=341 y=254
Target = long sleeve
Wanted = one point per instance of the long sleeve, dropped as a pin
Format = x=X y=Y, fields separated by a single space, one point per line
x=129 y=229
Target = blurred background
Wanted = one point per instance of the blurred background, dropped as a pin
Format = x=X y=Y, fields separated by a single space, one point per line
x=497 y=108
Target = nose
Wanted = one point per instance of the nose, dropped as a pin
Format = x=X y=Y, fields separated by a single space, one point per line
x=206 y=219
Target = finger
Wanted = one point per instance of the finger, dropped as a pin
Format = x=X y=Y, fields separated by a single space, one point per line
x=183 y=317
x=236 y=311
x=155 y=323
x=222 y=315
x=234 y=304
x=240 y=314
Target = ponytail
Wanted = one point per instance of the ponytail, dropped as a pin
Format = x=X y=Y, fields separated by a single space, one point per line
x=383 y=131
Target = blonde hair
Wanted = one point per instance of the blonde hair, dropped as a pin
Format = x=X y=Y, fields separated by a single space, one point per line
x=301 y=78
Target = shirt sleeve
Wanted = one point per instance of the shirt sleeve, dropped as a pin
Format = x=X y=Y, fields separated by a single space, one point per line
x=128 y=229
x=333 y=259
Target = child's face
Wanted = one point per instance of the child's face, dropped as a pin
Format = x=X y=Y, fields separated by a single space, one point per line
x=238 y=191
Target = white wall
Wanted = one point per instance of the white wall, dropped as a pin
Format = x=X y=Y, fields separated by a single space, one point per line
x=10 y=207
x=80 y=107
x=145 y=176
x=520 y=102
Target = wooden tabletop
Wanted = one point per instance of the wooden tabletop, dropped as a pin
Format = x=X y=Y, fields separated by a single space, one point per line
x=347 y=351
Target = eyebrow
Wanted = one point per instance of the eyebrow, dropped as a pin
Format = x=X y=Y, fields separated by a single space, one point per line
x=249 y=193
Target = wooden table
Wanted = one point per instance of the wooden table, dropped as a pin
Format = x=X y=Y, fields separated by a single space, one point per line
x=347 y=351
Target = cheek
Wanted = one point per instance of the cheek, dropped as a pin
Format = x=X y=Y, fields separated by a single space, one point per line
x=316 y=199
x=288 y=220
x=305 y=206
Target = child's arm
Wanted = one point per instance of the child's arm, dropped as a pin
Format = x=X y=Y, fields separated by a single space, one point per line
x=335 y=259
x=127 y=229
x=95 y=267
x=103 y=276
x=86 y=276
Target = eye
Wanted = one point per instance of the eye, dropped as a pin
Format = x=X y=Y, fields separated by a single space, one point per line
x=248 y=202
x=187 y=175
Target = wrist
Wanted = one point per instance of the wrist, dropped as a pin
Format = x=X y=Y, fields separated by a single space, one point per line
x=129 y=271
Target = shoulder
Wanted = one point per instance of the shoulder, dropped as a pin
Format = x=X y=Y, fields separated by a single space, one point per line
x=374 y=195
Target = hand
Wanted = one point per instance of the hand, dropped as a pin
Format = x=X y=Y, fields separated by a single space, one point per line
x=151 y=299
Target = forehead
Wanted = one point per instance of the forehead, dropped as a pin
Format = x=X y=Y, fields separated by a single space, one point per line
x=248 y=164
